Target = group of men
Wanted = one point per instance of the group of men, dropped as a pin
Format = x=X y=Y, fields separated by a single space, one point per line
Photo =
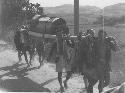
x=87 y=50
x=70 y=53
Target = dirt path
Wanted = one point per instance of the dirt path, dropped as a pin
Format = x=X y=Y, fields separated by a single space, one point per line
x=14 y=76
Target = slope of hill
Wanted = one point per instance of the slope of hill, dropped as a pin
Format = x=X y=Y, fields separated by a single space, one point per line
x=88 y=14
x=115 y=10
x=67 y=8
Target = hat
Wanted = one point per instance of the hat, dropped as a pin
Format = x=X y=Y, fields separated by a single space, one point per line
x=70 y=43
x=90 y=31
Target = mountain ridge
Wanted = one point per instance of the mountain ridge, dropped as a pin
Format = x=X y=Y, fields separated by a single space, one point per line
x=69 y=8
x=88 y=14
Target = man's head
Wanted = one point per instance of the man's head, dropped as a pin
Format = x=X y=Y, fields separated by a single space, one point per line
x=23 y=28
x=80 y=35
x=70 y=43
x=59 y=32
x=91 y=32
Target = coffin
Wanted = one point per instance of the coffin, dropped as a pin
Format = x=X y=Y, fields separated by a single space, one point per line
x=47 y=25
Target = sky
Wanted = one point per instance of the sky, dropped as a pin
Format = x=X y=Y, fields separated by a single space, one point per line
x=98 y=3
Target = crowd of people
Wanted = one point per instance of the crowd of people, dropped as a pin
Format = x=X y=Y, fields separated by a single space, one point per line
x=89 y=52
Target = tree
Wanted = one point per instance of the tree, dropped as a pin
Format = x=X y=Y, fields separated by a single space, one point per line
x=16 y=11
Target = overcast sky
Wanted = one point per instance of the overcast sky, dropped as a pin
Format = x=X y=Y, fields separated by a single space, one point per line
x=98 y=3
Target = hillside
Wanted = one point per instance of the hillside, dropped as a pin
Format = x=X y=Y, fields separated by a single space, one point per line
x=88 y=14
x=115 y=10
x=67 y=8
x=66 y=11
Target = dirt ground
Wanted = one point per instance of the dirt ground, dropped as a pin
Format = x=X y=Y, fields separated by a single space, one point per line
x=14 y=77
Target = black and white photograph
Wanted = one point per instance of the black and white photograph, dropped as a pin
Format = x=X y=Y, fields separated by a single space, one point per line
x=62 y=46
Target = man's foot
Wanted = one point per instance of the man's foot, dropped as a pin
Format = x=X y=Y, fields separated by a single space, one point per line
x=30 y=63
x=20 y=59
x=48 y=59
x=27 y=66
x=65 y=84
x=62 y=89
x=41 y=64
x=38 y=67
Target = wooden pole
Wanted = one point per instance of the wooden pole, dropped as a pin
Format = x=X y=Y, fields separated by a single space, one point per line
x=0 y=10
x=39 y=35
x=76 y=17
x=1 y=13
